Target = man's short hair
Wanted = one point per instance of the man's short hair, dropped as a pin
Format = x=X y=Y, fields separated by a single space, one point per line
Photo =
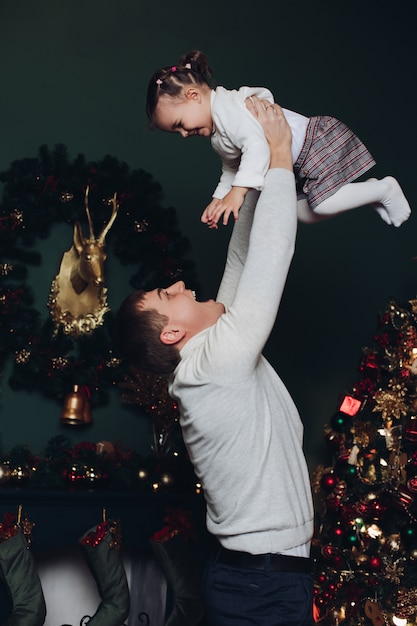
x=138 y=333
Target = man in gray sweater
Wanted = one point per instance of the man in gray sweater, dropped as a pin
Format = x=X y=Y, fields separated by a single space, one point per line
x=240 y=426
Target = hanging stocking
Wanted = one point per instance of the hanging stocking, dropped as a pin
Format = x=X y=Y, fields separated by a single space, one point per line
x=178 y=552
x=19 y=573
x=101 y=549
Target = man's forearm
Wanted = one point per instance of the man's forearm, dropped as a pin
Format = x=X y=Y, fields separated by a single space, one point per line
x=281 y=157
x=277 y=131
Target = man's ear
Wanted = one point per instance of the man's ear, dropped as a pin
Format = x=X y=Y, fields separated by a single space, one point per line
x=193 y=93
x=170 y=337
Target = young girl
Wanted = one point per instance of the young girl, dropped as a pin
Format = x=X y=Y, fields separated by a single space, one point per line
x=327 y=155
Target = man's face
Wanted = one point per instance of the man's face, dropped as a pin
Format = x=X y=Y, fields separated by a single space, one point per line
x=184 y=312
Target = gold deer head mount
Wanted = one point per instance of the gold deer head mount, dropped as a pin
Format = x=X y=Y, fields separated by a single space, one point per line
x=78 y=298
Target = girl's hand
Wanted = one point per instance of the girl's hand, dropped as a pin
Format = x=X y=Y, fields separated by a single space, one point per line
x=208 y=212
x=230 y=204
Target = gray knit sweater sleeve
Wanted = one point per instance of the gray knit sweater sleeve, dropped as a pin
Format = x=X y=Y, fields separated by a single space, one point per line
x=259 y=256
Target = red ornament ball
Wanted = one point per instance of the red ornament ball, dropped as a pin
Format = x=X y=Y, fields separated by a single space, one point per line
x=329 y=481
x=375 y=563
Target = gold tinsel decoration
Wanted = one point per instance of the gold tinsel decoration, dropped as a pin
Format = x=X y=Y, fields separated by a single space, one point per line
x=394 y=571
x=390 y=402
x=363 y=434
x=406 y=602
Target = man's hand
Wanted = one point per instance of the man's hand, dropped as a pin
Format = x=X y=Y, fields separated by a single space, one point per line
x=230 y=204
x=276 y=128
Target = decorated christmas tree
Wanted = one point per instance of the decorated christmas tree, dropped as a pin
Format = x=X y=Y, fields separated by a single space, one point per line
x=365 y=539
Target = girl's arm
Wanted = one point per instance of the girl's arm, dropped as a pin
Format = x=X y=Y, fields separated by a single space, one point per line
x=239 y=140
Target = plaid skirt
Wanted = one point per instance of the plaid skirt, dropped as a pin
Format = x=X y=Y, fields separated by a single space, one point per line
x=332 y=156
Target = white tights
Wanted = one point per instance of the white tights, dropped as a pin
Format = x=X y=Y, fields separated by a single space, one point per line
x=384 y=195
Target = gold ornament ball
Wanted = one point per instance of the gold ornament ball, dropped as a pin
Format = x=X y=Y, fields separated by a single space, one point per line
x=4 y=474
x=167 y=479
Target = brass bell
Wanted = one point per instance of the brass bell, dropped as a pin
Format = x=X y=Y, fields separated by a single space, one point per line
x=76 y=411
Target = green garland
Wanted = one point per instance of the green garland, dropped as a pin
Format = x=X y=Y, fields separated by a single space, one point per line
x=63 y=464
x=43 y=191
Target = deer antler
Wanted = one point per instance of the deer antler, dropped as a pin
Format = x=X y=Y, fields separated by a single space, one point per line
x=87 y=210
x=106 y=229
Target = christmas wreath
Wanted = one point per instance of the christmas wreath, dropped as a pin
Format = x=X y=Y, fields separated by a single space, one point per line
x=49 y=189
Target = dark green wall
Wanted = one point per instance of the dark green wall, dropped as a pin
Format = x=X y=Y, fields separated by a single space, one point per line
x=76 y=72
